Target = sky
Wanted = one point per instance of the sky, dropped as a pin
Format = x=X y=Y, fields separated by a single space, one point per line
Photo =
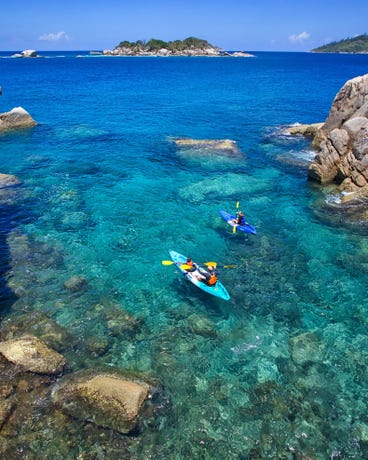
x=247 y=25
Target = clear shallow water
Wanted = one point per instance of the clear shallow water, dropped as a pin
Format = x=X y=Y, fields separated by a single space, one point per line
x=276 y=370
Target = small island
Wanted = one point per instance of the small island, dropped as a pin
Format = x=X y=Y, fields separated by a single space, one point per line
x=356 y=45
x=191 y=46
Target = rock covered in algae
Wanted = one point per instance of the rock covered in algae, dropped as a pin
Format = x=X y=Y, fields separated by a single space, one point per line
x=107 y=400
x=33 y=355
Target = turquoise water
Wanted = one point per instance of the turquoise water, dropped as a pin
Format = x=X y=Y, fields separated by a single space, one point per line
x=277 y=371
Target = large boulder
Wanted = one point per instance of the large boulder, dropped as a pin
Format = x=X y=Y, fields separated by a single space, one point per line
x=342 y=141
x=33 y=355
x=16 y=118
x=107 y=400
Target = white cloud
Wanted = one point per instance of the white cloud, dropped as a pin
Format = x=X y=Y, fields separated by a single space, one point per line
x=299 y=38
x=54 y=37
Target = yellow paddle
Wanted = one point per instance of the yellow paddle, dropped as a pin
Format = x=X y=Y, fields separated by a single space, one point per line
x=214 y=264
x=167 y=262
x=170 y=262
x=187 y=267
x=237 y=207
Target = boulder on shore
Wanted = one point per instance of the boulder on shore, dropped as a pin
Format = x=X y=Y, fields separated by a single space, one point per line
x=33 y=355
x=15 y=119
x=107 y=400
x=342 y=141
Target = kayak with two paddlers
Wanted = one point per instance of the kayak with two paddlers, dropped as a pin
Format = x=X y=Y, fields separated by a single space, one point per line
x=198 y=276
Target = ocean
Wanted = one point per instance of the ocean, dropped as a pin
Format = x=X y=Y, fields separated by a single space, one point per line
x=278 y=371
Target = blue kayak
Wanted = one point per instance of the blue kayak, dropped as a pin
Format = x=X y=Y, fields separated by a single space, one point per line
x=229 y=218
x=218 y=290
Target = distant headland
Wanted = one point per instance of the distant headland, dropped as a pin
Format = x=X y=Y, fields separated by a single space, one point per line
x=191 y=46
x=356 y=45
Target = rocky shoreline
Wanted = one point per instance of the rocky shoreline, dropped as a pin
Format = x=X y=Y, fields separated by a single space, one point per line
x=341 y=145
x=167 y=53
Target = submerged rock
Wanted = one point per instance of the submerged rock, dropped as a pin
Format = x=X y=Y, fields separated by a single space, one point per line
x=16 y=118
x=76 y=283
x=306 y=348
x=33 y=355
x=120 y=322
x=8 y=180
x=8 y=191
x=225 y=147
x=40 y=325
x=107 y=400
x=201 y=325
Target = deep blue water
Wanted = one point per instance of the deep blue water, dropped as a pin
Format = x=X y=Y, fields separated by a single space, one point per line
x=105 y=194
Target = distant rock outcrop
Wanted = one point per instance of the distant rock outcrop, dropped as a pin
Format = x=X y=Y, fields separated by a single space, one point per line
x=26 y=54
x=16 y=118
x=342 y=141
x=191 y=46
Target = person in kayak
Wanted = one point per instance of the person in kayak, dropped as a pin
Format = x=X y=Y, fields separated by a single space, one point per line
x=240 y=219
x=208 y=277
x=191 y=264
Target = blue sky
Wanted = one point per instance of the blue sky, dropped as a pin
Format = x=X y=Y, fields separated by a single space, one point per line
x=250 y=25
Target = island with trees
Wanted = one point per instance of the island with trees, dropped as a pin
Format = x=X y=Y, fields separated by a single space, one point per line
x=355 y=45
x=191 y=46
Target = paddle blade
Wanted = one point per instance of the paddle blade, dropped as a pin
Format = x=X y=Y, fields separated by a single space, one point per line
x=167 y=262
x=213 y=264
x=237 y=205
x=230 y=266
x=234 y=229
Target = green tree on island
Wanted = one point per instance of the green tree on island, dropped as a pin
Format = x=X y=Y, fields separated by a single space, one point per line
x=155 y=44
x=357 y=44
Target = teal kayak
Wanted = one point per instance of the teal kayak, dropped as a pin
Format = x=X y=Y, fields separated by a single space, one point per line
x=218 y=290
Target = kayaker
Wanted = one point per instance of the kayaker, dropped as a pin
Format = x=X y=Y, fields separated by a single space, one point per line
x=208 y=277
x=191 y=264
x=240 y=219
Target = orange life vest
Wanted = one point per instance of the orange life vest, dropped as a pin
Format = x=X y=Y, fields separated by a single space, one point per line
x=213 y=280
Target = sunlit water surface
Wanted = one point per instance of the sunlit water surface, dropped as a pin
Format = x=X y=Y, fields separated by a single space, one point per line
x=279 y=369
